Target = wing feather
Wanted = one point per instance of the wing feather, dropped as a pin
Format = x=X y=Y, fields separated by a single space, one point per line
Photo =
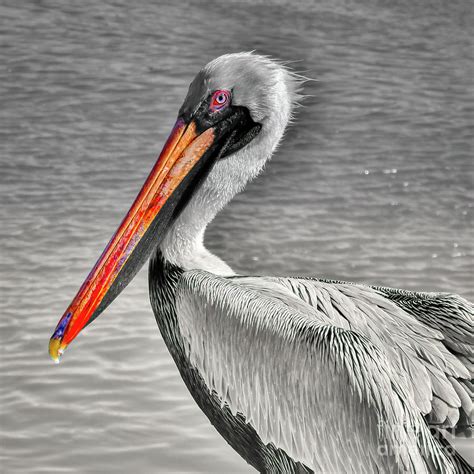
x=423 y=334
x=451 y=314
x=293 y=360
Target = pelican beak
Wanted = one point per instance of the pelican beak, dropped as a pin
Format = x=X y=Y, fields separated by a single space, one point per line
x=188 y=154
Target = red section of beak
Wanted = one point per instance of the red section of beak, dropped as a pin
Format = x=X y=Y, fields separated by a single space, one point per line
x=181 y=152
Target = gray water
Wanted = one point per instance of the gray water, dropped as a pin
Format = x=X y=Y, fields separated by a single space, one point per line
x=374 y=183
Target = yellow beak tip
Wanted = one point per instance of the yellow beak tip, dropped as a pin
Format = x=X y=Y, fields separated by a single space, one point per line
x=56 y=349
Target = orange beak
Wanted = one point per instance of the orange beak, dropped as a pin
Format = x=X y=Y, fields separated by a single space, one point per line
x=179 y=163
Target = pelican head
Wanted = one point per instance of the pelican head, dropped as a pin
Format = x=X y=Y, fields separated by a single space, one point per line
x=232 y=119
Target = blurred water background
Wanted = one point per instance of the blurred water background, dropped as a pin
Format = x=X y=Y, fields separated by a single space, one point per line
x=374 y=183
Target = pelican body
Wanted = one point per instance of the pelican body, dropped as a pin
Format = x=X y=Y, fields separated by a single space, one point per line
x=298 y=375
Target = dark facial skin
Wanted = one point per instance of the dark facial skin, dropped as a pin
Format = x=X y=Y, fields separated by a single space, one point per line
x=234 y=125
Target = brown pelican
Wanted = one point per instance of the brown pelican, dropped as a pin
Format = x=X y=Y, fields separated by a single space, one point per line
x=298 y=375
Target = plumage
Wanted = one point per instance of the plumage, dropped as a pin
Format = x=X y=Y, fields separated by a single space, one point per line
x=282 y=350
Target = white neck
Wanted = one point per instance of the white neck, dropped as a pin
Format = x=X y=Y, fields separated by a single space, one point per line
x=183 y=244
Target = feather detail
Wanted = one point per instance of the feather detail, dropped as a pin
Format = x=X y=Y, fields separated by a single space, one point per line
x=305 y=374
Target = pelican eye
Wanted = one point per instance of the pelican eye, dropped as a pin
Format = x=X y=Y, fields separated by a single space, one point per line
x=219 y=100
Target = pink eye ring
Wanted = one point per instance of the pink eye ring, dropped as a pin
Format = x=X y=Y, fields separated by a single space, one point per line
x=219 y=100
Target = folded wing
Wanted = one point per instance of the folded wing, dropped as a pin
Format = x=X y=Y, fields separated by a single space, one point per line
x=311 y=367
